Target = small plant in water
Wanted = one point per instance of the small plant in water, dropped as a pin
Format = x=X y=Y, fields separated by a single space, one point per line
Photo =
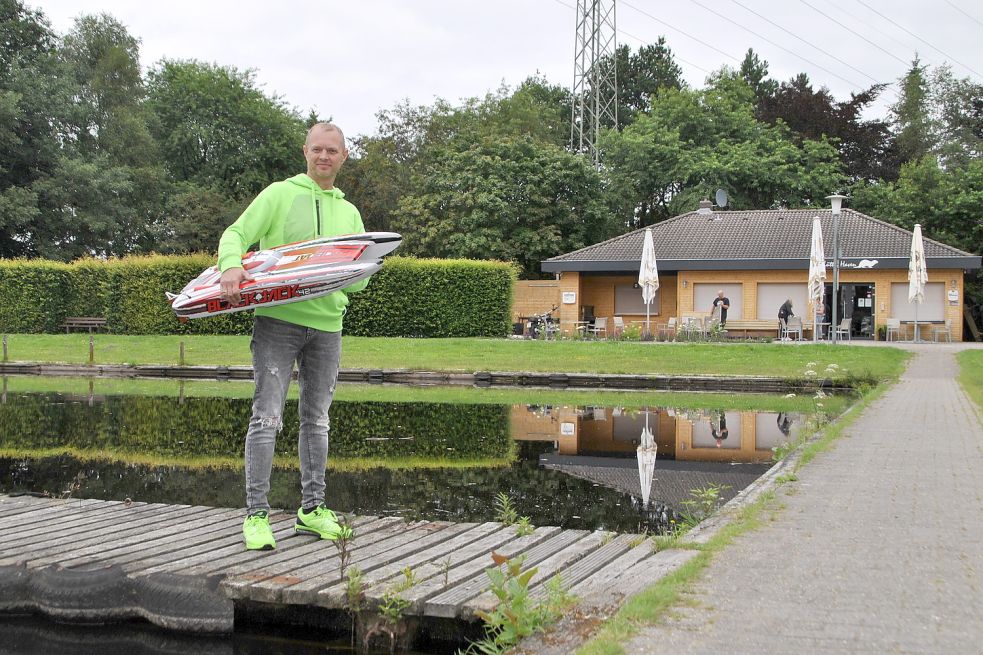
x=517 y=614
x=506 y=514
x=445 y=568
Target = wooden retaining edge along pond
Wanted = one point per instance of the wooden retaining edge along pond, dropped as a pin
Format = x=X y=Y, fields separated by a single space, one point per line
x=746 y=384
x=184 y=567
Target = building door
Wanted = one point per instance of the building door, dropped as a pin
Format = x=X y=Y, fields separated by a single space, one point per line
x=856 y=302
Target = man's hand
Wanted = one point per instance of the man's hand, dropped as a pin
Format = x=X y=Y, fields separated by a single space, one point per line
x=229 y=284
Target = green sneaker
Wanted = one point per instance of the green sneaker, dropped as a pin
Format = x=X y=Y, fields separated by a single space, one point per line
x=257 y=533
x=320 y=521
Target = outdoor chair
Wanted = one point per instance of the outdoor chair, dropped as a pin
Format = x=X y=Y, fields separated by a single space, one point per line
x=793 y=326
x=943 y=329
x=669 y=329
x=893 y=327
x=619 y=326
x=600 y=325
x=844 y=328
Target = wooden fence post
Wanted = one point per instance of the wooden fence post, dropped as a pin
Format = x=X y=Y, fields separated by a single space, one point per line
x=180 y=358
x=92 y=351
x=5 y=347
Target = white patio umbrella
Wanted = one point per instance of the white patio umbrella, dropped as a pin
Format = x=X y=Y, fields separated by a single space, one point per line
x=917 y=273
x=648 y=275
x=817 y=274
x=646 y=461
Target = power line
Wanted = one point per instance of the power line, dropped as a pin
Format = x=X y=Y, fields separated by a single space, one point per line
x=902 y=27
x=964 y=12
x=642 y=41
x=854 y=32
x=684 y=33
x=791 y=52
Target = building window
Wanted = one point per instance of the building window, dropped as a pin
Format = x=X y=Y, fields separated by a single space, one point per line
x=703 y=295
x=628 y=300
x=932 y=309
x=771 y=296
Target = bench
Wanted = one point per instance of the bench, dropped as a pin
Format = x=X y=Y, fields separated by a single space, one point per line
x=745 y=325
x=84 y=322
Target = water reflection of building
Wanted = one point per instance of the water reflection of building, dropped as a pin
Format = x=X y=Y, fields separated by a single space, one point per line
x=703 y=436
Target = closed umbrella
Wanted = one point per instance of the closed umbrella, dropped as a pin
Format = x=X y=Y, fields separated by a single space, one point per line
x=648 y=276
x=817 y=274
x=646 y=461
x=917 y=272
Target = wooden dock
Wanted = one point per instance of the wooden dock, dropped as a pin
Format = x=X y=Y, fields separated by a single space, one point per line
x=184 y=567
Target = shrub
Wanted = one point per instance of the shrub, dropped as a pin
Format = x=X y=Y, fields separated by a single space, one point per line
x=407 y=298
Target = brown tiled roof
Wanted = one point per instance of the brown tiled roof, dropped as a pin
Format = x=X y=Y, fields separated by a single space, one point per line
x=778 y=238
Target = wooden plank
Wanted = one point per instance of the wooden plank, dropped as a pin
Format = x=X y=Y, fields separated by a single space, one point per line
x=75 y=525
x=10 y=505
x=241 y=578
x=546 y=569
x=447 y=604
x=586 y=567
x=191 y=535
x=147 y=539
x=69 y=541
x=640 y=575
x=472 y=561
x=603 y=578
x=416 y=537
x=207 y=561
x=423 y=564
x=27 y=520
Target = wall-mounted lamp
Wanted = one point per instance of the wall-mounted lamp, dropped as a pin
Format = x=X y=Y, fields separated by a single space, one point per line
x=636 y=286
x=685 y=283
x=954 y=284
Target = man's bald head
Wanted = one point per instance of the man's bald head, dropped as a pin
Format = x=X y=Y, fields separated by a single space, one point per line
x=324 y=126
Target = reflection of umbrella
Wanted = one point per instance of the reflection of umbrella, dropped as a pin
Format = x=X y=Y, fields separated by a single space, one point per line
x=648 y=275
x=917 y=273
x=646 y=461
x=817 y=274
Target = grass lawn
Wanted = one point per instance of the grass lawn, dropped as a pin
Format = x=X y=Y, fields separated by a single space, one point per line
x=971 y=374
x=468 y=355
x=402 y=393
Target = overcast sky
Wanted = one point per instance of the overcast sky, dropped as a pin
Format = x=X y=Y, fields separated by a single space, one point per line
x=350 y=59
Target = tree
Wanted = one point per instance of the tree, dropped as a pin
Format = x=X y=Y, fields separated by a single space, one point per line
x=866 y=148
x=216 y=128
x=27 y=133
x=505 y=197
x=754 y=71
x=642 y=75
x=959 y=106
x=693 y=142
x=912 y=115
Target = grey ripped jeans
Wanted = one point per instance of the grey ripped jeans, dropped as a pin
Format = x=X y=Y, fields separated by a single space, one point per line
x=276 y=345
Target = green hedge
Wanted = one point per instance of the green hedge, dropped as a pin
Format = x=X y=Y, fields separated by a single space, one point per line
x=407 y=298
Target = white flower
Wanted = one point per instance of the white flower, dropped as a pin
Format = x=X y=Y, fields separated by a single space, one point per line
x=810 y=364
x=789 y=395
x=810 y=374
x=833 y=366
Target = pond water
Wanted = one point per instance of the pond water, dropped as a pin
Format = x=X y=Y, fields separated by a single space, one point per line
x=575 y=466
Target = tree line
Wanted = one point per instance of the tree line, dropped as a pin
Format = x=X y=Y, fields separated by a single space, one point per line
x=98 y=158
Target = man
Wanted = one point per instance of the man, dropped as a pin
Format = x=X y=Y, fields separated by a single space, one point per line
x=724 y=306
x=309 y=332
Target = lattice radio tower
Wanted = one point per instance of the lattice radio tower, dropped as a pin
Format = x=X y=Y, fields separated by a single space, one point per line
x=595 y=79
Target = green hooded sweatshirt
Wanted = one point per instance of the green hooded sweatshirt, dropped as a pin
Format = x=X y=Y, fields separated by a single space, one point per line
x=295 y=209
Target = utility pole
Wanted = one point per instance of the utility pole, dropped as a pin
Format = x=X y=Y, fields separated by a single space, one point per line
x=595 y=78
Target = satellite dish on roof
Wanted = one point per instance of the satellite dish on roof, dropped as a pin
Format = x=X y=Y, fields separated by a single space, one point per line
x=721 y=198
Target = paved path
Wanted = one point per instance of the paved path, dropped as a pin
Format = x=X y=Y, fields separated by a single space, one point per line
x=879 y=548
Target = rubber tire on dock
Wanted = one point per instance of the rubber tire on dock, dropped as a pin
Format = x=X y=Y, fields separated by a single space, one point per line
x=186 y=603
x=89 y=593
x=16 y=595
